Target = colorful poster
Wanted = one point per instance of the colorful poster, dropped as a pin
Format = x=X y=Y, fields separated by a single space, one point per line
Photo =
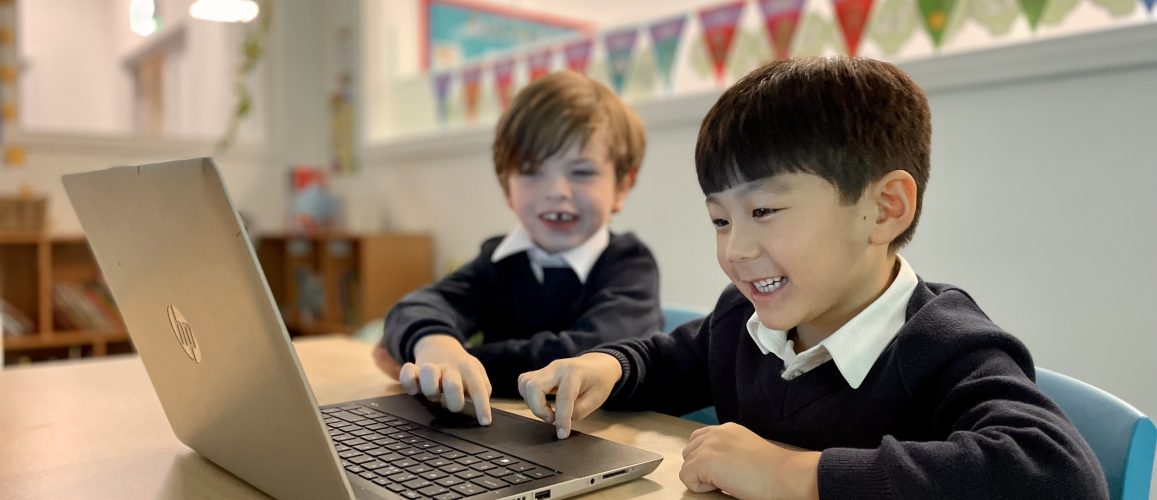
x=441 y=82
x=781 y=18
x=538 y=63
x=471 y=81
x=718 y=32
x=852 y=16
x=935 y=14
x=1033 y=10
x=665 y=36
x=577 y=55
x=455 y=32
x=504 y=80
x=620 y=45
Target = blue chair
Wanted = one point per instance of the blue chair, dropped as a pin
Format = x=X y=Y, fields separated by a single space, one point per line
x=1122 y=437
x=675 y=316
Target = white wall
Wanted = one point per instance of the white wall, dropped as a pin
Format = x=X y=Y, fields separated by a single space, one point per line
x=1038 y=203
x=73 y=82
x=1041 y=205
x=79 y=83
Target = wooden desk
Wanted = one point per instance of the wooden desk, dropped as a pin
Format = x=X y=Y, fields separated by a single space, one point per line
x=95 y=429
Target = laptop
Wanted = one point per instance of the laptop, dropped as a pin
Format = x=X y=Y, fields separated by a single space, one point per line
x=199 y=311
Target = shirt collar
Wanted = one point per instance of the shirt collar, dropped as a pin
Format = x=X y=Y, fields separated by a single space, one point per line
x=580 y=259
x=855 y=346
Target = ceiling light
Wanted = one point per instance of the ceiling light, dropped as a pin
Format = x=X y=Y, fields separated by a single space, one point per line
x=225 y=11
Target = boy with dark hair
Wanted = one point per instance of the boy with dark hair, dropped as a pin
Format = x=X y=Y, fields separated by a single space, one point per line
x=827 y=340
x=566 y=153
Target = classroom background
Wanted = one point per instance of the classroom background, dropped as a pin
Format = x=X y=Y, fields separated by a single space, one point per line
x=354 y=137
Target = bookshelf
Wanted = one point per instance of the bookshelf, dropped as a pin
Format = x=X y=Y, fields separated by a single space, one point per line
x=327 y=283
x=54 y=284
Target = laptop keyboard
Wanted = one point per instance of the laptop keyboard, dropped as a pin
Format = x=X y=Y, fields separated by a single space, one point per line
x=416 y=461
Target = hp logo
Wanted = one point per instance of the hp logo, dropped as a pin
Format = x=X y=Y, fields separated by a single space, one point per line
x=184 y=334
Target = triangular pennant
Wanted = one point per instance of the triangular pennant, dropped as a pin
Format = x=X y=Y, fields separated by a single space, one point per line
x=1149 y=5
x=719 y=24
x=1033 y=10
x=538 y=63
x=665 y=36
x=504 y=80
x=852 y=16
x=620 y=44
x=471 y=80
x=441 y=82
x=781 y=17
x=935 y=14
x=577 y=55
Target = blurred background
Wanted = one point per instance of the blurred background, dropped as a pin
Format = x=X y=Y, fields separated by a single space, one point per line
x=354 y=137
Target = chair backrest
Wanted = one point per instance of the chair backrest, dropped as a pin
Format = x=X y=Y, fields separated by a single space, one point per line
x=673 y=316
x=1122 y=437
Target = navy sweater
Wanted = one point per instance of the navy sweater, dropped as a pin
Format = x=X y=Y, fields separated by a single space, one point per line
x=949 y=410
x=527 y=324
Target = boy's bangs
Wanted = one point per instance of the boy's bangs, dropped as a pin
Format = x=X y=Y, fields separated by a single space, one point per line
x=530 y=145
x=543 y=121
x=730 y=154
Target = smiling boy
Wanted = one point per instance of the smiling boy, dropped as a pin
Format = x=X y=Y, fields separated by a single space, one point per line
x=566 y=154
x=814 y=172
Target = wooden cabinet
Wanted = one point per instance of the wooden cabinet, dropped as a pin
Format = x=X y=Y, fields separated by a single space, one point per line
x=54 y=284
x=329 y=283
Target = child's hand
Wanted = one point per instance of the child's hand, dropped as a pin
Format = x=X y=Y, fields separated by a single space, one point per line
x=387 y=363
x=733 y=459
x=580 y=385
x=444 y=372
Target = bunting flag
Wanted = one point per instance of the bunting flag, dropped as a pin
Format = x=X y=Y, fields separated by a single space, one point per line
x=935 y=14
x=1033 y=10
x=504 y=80
x=13 y=154
x=719 y=24
x=577 y=55
x=620 y=45
x=665 y=36
x=471 y=80
x=538 y=63
x=852 y=16
x=1149 y=4
x=441 y=82
x=781 y=18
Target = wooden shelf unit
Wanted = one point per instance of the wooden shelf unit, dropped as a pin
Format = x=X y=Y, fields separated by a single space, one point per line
x=30 y=265
x=335 y=282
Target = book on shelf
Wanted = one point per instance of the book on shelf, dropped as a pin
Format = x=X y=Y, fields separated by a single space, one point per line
x=13 y=321
x=84 y=306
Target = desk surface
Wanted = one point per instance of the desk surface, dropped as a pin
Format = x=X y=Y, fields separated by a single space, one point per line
x=95 y=429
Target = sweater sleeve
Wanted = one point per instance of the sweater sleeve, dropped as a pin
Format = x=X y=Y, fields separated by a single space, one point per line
x=1002 y=439
x=450 y=306
x=624 y=305
x=668 y=373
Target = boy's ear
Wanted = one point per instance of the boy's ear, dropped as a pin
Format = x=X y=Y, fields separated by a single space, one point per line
x=895 y=200
x=623 y=188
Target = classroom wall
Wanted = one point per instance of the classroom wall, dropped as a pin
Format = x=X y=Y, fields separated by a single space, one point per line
x=81 y=83
x=1038 y=203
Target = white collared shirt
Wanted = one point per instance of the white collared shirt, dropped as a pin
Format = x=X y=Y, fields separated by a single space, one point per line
x=856 y=345
x=580 y=259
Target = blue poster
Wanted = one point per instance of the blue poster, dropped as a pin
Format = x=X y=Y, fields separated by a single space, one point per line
x=458 y=31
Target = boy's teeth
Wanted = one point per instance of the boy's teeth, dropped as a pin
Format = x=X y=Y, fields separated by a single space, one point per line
x=769 y=285
x=558 y=216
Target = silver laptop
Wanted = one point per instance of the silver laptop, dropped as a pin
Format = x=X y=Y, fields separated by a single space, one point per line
x=198 y=309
